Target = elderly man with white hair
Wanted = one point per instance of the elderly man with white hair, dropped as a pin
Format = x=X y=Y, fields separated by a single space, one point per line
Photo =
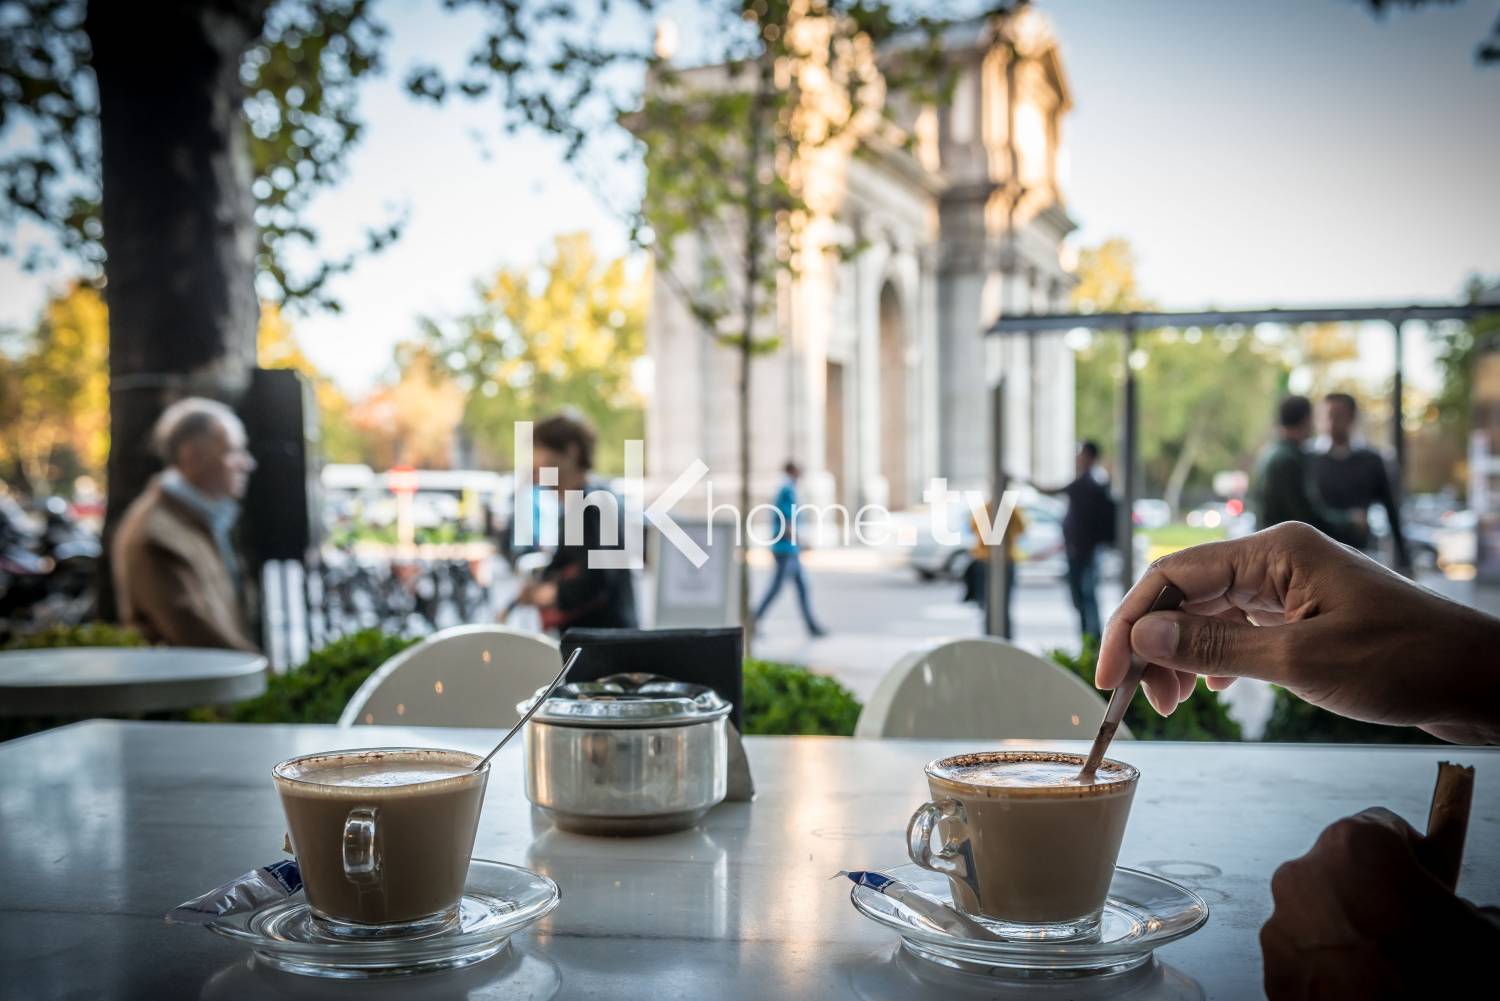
x=177 y=576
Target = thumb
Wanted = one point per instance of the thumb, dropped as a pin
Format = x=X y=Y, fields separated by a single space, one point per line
x=1207 y=645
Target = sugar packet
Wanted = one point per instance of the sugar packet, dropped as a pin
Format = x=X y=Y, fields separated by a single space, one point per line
x=938 y=913
x=250 y=892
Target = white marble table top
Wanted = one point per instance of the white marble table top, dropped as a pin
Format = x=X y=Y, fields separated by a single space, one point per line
x=106 y=825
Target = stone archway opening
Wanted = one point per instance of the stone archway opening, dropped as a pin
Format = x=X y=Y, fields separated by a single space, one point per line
x=895 y=433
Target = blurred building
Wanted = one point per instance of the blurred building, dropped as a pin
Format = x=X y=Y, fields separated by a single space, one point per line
x=882 y=377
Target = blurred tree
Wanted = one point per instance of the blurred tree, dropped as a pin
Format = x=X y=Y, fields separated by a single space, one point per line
x=288 y=70
x=1106 y=279
x=727 y=148
x=567 y=334
x=1106 y=284
x=148 y=135
x=54 y=393
x=1206 y=396
x=1206 y=405
x=276 y=347
x=415 y=420
x=1455 y=346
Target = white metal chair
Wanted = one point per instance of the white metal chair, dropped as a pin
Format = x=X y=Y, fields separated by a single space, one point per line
x=465 y=676
x=981 y=688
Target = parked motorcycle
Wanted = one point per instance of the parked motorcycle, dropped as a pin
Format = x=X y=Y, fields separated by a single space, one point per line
x=48 y=568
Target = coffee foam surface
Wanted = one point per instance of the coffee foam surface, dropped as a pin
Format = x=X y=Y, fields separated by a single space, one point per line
x=384 y=771
x=1034 y=775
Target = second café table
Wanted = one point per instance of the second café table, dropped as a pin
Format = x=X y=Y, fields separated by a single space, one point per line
x=85 y=681
x=105 y=825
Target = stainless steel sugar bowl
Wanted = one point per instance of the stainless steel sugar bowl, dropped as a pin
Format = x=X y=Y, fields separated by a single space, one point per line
x=628 y=754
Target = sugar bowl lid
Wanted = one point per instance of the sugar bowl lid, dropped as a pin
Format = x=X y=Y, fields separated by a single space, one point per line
x=629 y=700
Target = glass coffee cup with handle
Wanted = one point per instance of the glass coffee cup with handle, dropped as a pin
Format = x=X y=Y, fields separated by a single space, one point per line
x=382 y=836
x=1028 y=849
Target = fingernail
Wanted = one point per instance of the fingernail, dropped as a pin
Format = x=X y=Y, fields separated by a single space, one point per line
x=1155 y=637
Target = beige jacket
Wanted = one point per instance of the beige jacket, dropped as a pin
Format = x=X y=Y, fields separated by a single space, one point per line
x=170 y=582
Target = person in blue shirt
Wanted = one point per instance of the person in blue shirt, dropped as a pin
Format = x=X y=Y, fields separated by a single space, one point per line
x=785 y=551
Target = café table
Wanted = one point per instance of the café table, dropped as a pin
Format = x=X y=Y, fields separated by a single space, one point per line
x=105 y=825
x=88 y=681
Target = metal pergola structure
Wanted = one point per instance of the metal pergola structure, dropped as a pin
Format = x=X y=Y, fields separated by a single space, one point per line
x=1130 y=325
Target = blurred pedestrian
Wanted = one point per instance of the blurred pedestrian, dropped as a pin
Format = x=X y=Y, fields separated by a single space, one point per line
x=977 y=573
x=569 y=592
x=1088 y=525
x=1353 y=477
x=787 y=553
x=1284 y=487
x=177 y=574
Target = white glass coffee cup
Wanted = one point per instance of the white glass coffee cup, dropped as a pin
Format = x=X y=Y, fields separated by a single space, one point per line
x=1029 y=861
x=382 y=860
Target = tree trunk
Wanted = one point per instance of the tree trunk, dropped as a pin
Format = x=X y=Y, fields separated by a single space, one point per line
x=753 y=235
x=1182 y=468
x=179 y=227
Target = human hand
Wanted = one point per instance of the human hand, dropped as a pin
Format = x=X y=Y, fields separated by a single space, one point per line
x=542 y=594
x=1291 y=606
x=532 y=593
x=1359 y=917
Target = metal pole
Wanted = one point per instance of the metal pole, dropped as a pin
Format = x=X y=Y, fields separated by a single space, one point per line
x=287 y=603
x=1124 y=523
x=1398 y=434
x=996 y=592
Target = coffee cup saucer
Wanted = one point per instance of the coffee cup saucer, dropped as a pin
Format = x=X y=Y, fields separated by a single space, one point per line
x=1143 y=912
x=499 y=900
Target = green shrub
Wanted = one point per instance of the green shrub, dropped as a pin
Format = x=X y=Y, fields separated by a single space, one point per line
x=786 y=699
x=1293 y=720
x=317 y=691
x=87 y=634
x=1201 y=717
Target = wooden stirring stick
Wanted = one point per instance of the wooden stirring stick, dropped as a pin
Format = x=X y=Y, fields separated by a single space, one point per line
x=1169 y=600
x=1448 y=822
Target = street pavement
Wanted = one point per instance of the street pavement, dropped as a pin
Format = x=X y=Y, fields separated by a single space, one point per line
x=876 y=610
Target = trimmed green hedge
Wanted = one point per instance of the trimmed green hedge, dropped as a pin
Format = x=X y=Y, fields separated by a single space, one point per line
x=1201 y=717
x=317 y=691
x=88 y=634
x=786 y=699
x=1293 y=720
x=779 y=698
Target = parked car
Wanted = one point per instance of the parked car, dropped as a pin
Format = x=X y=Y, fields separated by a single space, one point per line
x=1457 y=539
x=1230 y=516
x=1151 y=512
x=1041 y=543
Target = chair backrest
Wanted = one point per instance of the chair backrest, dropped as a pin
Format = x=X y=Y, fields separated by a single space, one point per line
x=981 y=688
x=465 y=676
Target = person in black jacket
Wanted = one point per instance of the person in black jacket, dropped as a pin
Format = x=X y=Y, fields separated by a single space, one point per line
x=1087 y=525
x=1353 y=477
x=569 y=592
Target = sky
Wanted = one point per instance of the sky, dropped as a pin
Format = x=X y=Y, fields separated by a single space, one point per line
x=1288 y=152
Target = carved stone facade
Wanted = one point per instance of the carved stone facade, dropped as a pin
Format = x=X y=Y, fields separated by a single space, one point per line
x=884 y=374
